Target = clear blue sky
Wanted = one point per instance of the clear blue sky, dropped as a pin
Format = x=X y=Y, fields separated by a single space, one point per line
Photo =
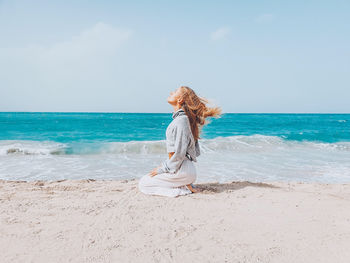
x=126 y=56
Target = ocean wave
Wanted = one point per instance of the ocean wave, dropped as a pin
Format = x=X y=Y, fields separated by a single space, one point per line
x=252 y=143
x=18 y=147
x=31 y=147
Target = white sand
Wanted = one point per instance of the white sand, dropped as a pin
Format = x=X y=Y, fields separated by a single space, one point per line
x=110 y=221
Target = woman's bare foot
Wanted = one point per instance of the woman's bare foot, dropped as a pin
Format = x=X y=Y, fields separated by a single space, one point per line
x=193 y=190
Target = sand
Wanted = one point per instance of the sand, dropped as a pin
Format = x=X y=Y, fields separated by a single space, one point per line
x=111 y=221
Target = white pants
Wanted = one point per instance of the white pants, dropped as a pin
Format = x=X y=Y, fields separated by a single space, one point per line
x=168 y=184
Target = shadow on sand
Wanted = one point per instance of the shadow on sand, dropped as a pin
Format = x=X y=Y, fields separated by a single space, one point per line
x=211 y=188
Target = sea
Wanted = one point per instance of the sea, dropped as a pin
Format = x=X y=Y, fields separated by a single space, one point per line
x=121 y=146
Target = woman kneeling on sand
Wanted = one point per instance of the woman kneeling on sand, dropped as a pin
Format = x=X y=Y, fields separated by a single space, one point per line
x=175 y=175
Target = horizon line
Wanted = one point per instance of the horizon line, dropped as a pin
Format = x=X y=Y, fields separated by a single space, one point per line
x=125 y=112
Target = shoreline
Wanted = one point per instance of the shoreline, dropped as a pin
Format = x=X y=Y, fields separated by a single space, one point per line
x=88 y=180
x=111 y=221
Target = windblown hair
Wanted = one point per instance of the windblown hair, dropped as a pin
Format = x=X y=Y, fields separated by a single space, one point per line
x=197 y=111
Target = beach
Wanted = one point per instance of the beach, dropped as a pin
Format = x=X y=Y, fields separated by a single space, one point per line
x=246 y=100
x=111 y=221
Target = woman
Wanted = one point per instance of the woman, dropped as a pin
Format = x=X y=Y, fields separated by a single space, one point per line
x=176 y=174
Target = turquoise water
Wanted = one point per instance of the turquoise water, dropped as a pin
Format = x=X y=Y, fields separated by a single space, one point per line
x=70 y=127
x=306 y=147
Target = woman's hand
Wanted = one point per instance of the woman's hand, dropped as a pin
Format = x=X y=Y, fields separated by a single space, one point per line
x=154 y=172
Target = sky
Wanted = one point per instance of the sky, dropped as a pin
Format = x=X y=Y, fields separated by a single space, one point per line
x=127 y=56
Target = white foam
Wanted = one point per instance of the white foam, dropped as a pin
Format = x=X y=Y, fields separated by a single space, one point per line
x=30 y=147
x=231 y=144
x=256 y=158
